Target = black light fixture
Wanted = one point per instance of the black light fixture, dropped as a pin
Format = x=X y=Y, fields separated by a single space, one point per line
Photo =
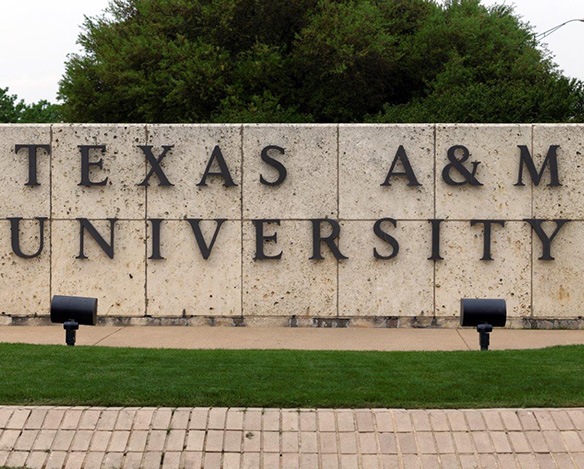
x=71 y=311
x=484 y=314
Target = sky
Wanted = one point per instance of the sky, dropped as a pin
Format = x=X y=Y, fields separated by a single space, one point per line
x=37 y=35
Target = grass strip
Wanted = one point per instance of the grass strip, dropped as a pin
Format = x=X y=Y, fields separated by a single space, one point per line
x=59 y=375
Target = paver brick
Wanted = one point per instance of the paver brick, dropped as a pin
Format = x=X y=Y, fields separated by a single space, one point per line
x=271 y=459
x=289 y=460
x=152 y=460
x=89 y=419
x=26 y=440
x=71 y=419
x=577 y=417
x=326 y=421
x=500 y=442
x=444 y=442
x=132 y=460
x=528 y=420
x=271 y=442
x=192 y=459
x=175 y=440
x=252 y=441
x=308 y=442
x=488 y=461
x=53 y=419
x=545 y=461
x=107 y=420
x=430 y=461
x=367 y=443
x=180 y=419
x=195 y=440
x=252 y=420
x=125 y=419
x=370 y=461
x=307 y=420
x=457 y=420
x=406 y=443
x=232 y=460
x=232 y=442
x=511 y=420
x=143 y=419
x=112 y=460
x=475 y=420
x=137 y=441
x=345 y=420
x=251 y=460
x=217 y=418
x=384 y=421
x=161 y=419
x=482 y=442
x=572 y=441
x=119 y=441
x=100 y=440
x=36 y=418
x=544 y=419
x=171 y=460
x=75 y=460
x=562 y=420
x=328 y=442
x=289 y=420
x=426 y=444
x=349 y=461
x=44 y=440
x=308 y=461
x=519 y=442
x=421 y=421
x=403 y=421
x=365 y=422
x=493 y=420
x=290 y=442
x=212 y=461
x=156 y=440
x=439 y=421
x=56 y=460
x=554 y=441
x=36 y=460
x=18 y=419
x=271 y=420
x=347 y=443
x=463 y=442
x=214 y=441
x=81 y=440
x=234 y=419
x=63 y=439
x=5 y=414
x=411 y=461
x=199 y=416
x=17 y=458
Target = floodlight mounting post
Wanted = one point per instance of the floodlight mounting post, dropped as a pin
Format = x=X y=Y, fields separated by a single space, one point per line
x=484 y=336
x=71 y=328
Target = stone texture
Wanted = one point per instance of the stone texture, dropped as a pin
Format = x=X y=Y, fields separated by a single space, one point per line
x=463 y=275
x=184 y=166
x=310 y=158
x=118 y=283
x=17 y=199
x=565 y=201
x=203 y=287
x=385 y=287
x=25 y=283
x=366 y=153
x=293 y=285
x=557 y=284
x=496 y=148
x=123 y=165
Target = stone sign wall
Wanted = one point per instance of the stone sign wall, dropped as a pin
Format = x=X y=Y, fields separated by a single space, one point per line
x=330 y=225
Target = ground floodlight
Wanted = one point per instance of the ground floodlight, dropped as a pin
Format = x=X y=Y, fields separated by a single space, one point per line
x=71 y=311
x=484 y=314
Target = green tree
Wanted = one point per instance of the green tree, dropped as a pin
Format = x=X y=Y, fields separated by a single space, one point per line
x=313 y=61
x=13 y=110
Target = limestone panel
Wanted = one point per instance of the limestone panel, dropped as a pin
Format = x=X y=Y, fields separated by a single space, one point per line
x=21 y=196
x=184 y=282
x=400 y=286
x=185 y=165
x=24 y=282
x=294 y=284
x=309 y=189
x=366 y=154
x=122 y=168
x=462 y=273
x=557 y=284
x=493 y=151
x=566 y=201
x=118 y=283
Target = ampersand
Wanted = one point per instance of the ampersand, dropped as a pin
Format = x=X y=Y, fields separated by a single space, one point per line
x=457 y=164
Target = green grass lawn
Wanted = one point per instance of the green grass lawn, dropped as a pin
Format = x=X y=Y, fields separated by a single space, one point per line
x=60 y=375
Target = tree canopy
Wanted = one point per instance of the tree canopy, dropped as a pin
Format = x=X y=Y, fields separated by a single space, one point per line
x=314 y=61
x=13 y=110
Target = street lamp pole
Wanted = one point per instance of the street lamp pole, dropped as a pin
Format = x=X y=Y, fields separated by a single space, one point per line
x=555 y=28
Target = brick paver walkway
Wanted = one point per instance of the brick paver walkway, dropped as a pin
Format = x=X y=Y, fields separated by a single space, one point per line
x=92 y=437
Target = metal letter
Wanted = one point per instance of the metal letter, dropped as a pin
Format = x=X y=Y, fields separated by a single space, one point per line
x=203 y=247
x=155 y=165
x=85 y=224
x=156 y=222
x=457 y=164
x=32 y=160
x=223 y=170
x=385 y=237
x=15 y=237
x=527 y=161
x=487 y=224
x=282 y=173
x=261 y=239
x=408 y=172
x=435 y=240
x=546 y=241
x=85 y=165
x=318 y=239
